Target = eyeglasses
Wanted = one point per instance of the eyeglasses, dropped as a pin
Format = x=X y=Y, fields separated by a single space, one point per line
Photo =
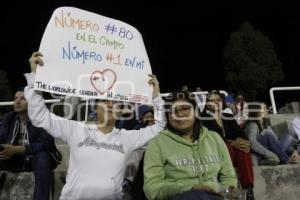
x=184 y=110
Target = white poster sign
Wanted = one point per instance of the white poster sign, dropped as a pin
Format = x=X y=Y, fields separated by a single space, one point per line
x=92 y=56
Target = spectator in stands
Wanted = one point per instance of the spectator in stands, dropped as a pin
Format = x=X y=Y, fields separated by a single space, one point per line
x=237 y=142
x=186 y=161
x=265 y=145
x=98 y=152
x=27 y=148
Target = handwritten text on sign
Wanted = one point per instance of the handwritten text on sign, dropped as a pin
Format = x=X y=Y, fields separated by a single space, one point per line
x=89 y=55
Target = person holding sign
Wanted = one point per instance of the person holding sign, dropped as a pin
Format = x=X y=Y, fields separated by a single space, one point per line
x=98 y=152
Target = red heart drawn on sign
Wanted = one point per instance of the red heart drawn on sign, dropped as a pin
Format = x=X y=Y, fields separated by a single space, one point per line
x=103 y=81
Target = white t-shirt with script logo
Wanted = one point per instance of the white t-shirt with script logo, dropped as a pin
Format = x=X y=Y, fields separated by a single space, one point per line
x=97 y=161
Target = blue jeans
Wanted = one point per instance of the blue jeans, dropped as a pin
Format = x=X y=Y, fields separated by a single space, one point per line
x=289 y=143
x=269 y=141
x=41 y=164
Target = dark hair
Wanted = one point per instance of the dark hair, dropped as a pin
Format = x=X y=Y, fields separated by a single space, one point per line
x=242 y=100
x=19 y=89
x=180 y=95
x=188 y=97
x=254 y=111
x=143 y=109
x=216 y=92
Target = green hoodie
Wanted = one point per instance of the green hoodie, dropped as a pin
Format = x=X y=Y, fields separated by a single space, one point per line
x=173 y=164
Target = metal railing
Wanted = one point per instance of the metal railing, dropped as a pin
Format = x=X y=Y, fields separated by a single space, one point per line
x=10 y=103
x=201 y=92
x=272 y=90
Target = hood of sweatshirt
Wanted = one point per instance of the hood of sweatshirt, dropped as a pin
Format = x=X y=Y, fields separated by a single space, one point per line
x=203 y=134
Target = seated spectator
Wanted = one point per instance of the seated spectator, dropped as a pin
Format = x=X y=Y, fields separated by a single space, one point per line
x=237 y=142
x=27 y=148
x=186 y=161
x=265 y=145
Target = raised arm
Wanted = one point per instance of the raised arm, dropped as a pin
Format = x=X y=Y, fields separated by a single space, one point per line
x=38 y=113
x=142 y=136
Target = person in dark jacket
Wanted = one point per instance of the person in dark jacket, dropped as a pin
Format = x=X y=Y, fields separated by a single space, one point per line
x=27 y=148
x=235 y=138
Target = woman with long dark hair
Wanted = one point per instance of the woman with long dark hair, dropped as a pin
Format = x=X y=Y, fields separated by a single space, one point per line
x=186 y=160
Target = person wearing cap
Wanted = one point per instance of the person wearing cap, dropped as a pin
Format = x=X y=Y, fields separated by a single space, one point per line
x=186 y=160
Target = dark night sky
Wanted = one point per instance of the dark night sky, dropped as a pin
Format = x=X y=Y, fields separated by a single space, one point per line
x=184 y=41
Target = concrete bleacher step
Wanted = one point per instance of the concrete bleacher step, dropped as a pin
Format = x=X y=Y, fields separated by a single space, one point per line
x=292 y=107
x=271 y=183
x=20 y=186
x=277 y=182
x=281 y=123
x=279 y=118
x=17 y=186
